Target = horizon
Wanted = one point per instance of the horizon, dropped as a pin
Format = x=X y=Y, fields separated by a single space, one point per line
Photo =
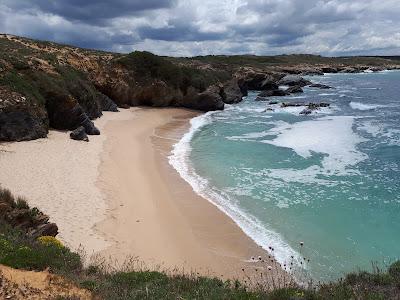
x=205 y=55
x=330 y=28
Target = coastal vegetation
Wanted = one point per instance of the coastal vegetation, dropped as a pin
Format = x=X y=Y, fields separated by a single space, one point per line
x=47 y=85
x=20 y=250
x=148 y=66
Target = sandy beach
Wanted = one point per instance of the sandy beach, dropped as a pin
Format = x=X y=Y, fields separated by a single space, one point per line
x=117 y=195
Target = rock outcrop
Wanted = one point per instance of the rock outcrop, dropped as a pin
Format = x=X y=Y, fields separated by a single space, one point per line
x=294 y=90
x=258 y=81
x=320 y=86
x=309 y=107
x=294 y=80
x=46 y=85
x=16 y=213
x=270 y=93
x=233 y=92
x=20 y=120
x=79 y=134
x=107 y=104
x=66 y=113
x=211 y=99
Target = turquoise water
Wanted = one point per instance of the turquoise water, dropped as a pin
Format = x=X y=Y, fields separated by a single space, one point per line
x=330 y=180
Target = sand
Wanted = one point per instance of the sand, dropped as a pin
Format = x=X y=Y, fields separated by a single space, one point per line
x=58 y=175
x=117 y=196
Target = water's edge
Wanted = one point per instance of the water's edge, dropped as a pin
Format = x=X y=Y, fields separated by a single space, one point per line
x=253 y=228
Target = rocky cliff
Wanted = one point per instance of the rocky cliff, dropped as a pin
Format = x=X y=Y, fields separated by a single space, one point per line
x=46 y=85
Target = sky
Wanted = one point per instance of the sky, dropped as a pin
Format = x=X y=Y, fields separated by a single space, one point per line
x=202 y=27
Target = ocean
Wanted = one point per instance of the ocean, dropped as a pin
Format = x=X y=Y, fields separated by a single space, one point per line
x=329 y=181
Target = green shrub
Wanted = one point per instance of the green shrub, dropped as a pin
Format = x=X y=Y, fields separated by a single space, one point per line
x=20 y=252
x=394 y=270
x=291 y=293
x=21 y=203
x=90 y=285
x=149 y=66
x=24 y=85
x=377 y=279
x=7 y=197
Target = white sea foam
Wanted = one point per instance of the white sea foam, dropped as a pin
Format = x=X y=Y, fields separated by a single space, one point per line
x=264 y=237
x=331 y=136
x=373 y=128
x=249 y=136
x=298 y=97
x=363 y=106
x=328 y=94
x=296 y=110
x=394 y=137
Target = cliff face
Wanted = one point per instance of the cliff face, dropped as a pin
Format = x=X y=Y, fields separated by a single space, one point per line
x=46 y=85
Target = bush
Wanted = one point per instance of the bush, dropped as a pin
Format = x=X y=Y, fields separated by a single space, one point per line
x=155 y=285
x=21 y=203
x=7 y=197
x=50 y=241
x=394 y=270
x=149 y=66
x=20 y=252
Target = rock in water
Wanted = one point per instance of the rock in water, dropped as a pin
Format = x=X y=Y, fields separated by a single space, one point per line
x=328 y=69
x=306 y=111
x=271 y=93
x=294 y=90
x=292 y=104
x=294 y=80
x=312 y=105
x=320 y=86
x=79 y=134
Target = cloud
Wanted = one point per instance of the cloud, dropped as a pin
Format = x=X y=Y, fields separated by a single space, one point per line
x=90 y=11
x=194 y=27
x=178 y=31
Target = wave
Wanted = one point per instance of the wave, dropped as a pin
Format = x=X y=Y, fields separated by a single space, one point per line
x=363 y=106
x=180 y=160
x=328 y=94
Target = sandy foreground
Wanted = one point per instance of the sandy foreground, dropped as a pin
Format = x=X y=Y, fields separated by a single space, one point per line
x=117 y=196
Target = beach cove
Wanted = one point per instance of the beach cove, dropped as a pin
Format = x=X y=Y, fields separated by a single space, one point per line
x=118 y=197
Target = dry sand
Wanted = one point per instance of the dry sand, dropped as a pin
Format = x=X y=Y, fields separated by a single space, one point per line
x=118 y=196
x=58 y=175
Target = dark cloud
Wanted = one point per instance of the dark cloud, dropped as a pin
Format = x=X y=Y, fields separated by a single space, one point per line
x=192 y=27
x=179 y=32
x=91 y=11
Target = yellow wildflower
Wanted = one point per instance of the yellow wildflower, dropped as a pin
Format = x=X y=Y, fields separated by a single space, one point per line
x=50 y=241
